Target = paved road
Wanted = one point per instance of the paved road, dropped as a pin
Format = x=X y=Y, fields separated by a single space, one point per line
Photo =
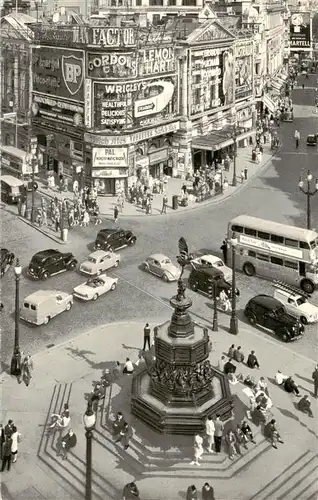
x=273 y=195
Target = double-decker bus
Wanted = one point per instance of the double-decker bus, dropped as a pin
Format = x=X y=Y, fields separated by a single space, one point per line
x=276 y=251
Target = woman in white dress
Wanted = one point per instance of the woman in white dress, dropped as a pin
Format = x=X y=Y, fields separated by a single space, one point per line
x=198 y=449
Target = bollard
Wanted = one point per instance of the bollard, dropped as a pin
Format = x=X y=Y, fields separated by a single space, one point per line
x=64 y=234
x=245 y=173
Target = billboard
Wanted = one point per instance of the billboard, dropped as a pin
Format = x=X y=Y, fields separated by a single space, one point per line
x=111 y=65
x=152 y=61
x=110 y=157
x=135 y=103
x=300 y=30
x=58 y=72
x=243 y=71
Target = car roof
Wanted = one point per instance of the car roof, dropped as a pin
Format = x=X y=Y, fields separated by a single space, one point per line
x=266 y=301
x=11 y=180
x=41 y=295
x=209 y=271
x=46 y=253
x=98 y=253
x=158 y=256
x=210 y=258
x=108 y=230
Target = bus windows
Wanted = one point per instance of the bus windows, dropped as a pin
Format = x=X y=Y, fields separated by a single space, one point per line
x=277 y=239
x=250 y=232
x=251 y=253
x=291 y=243
x=302 y=269
x=304 y=244
x=237 y=229
x=291 y=264
x=277 y=261
x=262 y=256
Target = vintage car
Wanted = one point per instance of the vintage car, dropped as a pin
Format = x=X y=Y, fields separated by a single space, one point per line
x=161 y=266
x=311 y=140
x=270 y=313
x=210 y=260
x=41 y=306
x=297 y=305
x=7 y=259
x=202 y=279
x=95 y=287
x=99 y=261
x=46 y=263
x=113 y=239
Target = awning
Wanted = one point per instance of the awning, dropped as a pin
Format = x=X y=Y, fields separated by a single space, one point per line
x=219 y=139
x=269 y=103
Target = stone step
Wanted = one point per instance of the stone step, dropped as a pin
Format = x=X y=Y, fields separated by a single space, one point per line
x=295 y=482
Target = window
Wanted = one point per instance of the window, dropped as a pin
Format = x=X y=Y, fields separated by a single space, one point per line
x=277 y=239
x=291 y=243
x=156 y=2
x=189 y=2
x=138 y=3
x=276 y=260
x=251 y=253
x=290 y=301
x=304 y=244
x=262 y=256
x=250 y=232
x=172 y=2
x=263 y=236
x=291 y=264
x=237 y=229
x=26 y=305
x=33 y=308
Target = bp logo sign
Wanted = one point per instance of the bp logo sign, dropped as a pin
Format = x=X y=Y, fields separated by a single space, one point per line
x=72 y=70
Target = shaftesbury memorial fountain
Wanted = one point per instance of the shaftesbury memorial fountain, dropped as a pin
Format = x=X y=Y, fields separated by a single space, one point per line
x=176 y=393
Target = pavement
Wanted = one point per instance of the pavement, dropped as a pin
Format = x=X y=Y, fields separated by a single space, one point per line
x=160 y=464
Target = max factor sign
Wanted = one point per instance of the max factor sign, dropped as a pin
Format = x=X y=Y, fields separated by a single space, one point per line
x=104 y=37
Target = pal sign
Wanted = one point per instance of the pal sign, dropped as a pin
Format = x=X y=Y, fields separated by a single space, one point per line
x=72 y=70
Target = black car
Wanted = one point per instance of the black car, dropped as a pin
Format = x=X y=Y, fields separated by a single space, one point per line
x=7 y=259
x=113 y=239
x=202 y=279
x=270 y=313
x=48 y=262
x=311 y=140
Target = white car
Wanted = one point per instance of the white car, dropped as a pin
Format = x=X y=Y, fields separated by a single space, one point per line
x=161 y=266
x=209 y=260
x=99 y=261
x=94 y=287
x=297 y=305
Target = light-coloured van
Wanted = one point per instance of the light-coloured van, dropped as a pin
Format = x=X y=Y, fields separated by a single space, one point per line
x=12 y=189
x=41 y=306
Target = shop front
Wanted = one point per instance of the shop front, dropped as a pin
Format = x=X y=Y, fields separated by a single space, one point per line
x=110 y=170
x=158 y=162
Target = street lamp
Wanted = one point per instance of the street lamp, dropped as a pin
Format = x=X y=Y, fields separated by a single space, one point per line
x=215 y=326
x=33 y=149
x=234 y=137
x=89 y=419
x=16 y=357
x=309 y=192
x=233 y=321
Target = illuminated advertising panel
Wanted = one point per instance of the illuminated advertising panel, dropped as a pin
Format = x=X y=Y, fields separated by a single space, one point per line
x=300 y=32
x=152 y=61
x=135 y=103
x=243 y=71
x=58 y=72
x=111 y=65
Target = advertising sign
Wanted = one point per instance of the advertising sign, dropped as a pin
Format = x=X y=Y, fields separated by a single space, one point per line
x=243 y=71
x=156 y=60
x=88 y=103
x=113 y=65
x=110 y=157
x=58 y=72
x=112 y=173
x=134 y=103
x=143 y=135
x=300 y=32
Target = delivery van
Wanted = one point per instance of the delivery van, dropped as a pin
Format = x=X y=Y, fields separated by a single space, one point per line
x=41 y=306
x=12 y=189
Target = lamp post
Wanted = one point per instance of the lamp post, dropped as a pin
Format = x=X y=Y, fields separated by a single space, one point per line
x=234 y=137
x=233 y=321
x=309 y=192
x=215 y=325
x=33 y=148
x=89 y=419
x=16 y=357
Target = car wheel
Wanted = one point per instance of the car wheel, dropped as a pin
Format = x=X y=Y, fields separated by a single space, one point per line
x=132 y=242
x=284 y=337
x=46 y=321
x=251 y=319
x=2 y=272
x=165 y=278
x=113 y=287
x=72 y=265
x=95 y=297
x=45 y=275
x=194 y=286
x=98 y=272
x=69 y=306
x=11 y=258
x=307 y=286
x=304 y=320
x=249 y=269
x=116 y=264
x=146 y=268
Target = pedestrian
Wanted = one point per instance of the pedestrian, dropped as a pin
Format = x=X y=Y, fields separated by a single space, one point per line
x=207 y=492
x=209 y=431
x=247 y=431
x=2 y=440
x=273 y=433
x=164 y=204
x=118 y=424
x=245 y=173
x=61 y=182
x=131 y=492
x=197 y=450
x=124 y=436
x=231 y=441
x=242 y=176
x=262 y=386
x=7 y=454
x=221 y=363
x=238 y=355
x=8 y=428
x=315 y=379
x=116 y=370
x=303 y=85
x=297 y=138
x=68 y=442
x=147 y=331
x=128 y=367
x=115 y=214
x=27 y=369
x=224 y=251
x=85 y=218
x=57 y=220
x=252 y=361
x=304 y=405
x=16 y=438
x=290 y=386
x=218 y=433
x=231 y=351
x=192 y=493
